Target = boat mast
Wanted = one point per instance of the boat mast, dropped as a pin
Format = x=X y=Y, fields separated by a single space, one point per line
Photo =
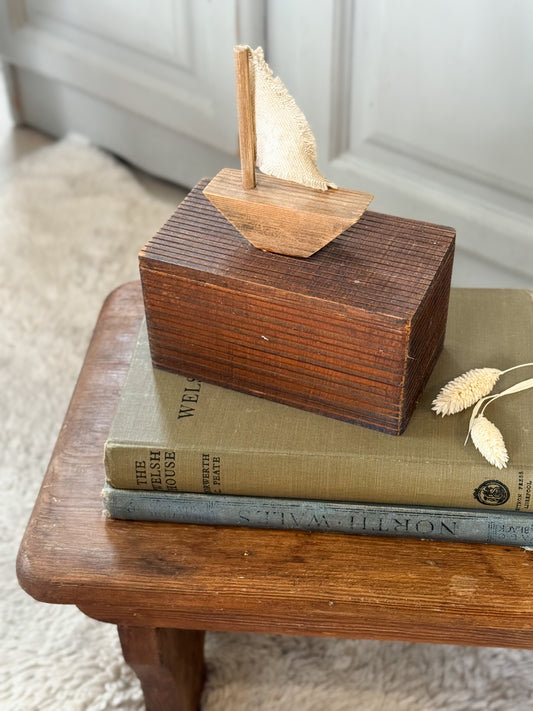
x=245 y=113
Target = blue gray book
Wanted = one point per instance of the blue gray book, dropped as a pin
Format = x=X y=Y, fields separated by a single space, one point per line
x=510 y=528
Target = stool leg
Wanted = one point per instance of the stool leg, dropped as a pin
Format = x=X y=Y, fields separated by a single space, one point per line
x=169 y=664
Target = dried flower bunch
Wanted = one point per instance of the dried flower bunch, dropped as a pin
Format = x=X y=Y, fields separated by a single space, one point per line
x=474 y=388
x=488 y=440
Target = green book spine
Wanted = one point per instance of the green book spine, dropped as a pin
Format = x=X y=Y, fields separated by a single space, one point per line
x=173 y=433
x=510 y=528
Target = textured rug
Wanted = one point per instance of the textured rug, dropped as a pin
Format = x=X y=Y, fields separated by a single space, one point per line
x=71 y=223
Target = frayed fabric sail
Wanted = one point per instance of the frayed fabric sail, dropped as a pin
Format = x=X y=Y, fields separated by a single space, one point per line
x=285 y=145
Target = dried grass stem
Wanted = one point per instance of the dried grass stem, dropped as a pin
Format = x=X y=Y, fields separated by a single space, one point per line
x=474 y=388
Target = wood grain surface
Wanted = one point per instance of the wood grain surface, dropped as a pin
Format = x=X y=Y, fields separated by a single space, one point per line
x=282 y=216
x=353 y=332
x=217 y=578
x=169 y=664
x=245 y=113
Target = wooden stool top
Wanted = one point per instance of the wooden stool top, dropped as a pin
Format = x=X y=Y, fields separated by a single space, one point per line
x=218 y=578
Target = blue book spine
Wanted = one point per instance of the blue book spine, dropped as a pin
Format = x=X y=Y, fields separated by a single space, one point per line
x=508 y=528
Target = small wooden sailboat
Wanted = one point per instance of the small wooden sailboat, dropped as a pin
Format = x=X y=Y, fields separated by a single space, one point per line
x=289 y=207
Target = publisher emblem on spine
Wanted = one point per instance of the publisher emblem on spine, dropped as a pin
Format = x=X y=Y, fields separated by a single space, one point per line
x=492 y=493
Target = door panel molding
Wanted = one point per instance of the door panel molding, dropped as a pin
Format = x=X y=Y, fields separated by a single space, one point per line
x=429 y=152
x=190 y=91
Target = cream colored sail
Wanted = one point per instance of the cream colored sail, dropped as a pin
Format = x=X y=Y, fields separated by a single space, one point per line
x=285 y=145
x=274 y=209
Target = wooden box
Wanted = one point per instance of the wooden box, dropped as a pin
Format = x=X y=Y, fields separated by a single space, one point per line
x=352 y=332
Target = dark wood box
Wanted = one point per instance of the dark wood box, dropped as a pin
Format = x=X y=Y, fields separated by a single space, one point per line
x=352 y=332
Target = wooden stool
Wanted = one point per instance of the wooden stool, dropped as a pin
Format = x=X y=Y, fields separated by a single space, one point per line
x=164 y=584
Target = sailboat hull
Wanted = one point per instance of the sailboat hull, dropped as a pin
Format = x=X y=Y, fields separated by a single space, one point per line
x=284 y=217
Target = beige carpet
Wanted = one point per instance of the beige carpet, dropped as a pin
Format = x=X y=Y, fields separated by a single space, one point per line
x=71 y=223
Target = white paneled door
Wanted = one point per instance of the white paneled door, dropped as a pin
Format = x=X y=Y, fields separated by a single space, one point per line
x=152 y=81
x=429 y=105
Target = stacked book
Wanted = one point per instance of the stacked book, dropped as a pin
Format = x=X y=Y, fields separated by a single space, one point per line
x=181 y=450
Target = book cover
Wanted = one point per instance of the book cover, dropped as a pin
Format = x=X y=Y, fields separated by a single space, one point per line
x=511 y=528
x=176 y=433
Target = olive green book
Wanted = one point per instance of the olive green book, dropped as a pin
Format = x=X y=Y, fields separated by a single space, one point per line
x=174 y=433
